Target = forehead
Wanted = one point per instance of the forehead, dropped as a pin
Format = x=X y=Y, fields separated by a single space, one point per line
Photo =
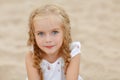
x=47 y=22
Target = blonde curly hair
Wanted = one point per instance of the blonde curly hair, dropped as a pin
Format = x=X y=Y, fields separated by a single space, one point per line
x=65 y=50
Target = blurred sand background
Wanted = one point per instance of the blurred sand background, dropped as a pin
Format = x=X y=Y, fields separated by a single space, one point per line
x=95 y=23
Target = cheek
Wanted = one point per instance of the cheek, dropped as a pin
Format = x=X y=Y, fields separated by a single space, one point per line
x=60 y=39
x=38 y=40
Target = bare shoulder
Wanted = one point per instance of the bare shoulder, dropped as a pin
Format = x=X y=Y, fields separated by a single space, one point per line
x=75 y=62
x=28 y=58
x=32 y=72
x=73 y=68
x=76 y=58
x=28 y=55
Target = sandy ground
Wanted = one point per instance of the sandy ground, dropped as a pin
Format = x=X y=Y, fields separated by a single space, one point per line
x=95 y=23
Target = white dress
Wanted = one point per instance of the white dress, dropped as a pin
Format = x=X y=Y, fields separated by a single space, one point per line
x=55 y=71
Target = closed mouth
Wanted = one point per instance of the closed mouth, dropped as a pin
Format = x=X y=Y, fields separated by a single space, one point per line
x=49 y=47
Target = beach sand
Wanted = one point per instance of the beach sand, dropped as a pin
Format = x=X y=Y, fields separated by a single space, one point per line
x=95 y=23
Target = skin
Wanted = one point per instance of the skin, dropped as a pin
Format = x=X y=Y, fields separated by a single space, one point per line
x=49 y=38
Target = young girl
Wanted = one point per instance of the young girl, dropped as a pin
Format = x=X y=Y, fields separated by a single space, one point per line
x=53 y=55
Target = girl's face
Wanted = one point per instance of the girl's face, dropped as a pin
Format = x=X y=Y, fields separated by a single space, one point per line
x=48 y=33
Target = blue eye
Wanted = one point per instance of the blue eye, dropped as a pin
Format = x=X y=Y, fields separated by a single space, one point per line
x=55 y=32
x=40 y=33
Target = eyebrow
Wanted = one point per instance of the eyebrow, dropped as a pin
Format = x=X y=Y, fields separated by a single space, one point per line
x=56 y=29
x=51 y=30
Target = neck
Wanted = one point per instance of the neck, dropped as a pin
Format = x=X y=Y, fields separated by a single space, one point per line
x=51 y=58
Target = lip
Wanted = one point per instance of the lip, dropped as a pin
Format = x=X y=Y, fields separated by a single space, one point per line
x=49 y=47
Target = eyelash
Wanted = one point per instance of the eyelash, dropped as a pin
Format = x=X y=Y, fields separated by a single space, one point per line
x=53 y=33
x=41 y=33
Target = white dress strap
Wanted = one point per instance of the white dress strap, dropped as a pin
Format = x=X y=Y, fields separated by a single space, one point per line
x=75 y=48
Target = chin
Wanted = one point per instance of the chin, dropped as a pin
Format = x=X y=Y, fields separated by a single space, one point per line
x=50 y=52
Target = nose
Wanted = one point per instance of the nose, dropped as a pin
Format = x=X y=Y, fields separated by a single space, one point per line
x=48 y=38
